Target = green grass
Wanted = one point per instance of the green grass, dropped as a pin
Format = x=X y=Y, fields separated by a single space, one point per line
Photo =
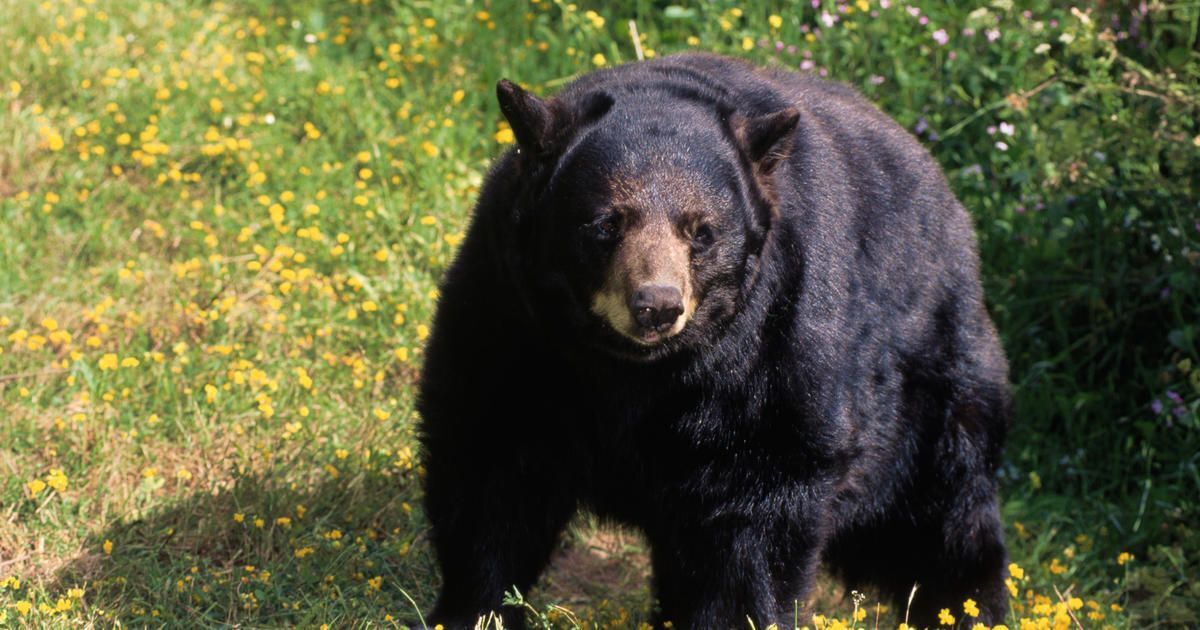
x=222 y=226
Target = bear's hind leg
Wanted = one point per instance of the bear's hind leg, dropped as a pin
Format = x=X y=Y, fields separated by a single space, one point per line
x=967 y=563
x=958 y=547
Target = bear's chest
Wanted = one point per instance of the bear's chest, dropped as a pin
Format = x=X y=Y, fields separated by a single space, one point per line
x=637 y=455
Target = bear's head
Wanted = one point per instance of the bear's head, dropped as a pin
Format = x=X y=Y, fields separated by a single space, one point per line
x=644 y=218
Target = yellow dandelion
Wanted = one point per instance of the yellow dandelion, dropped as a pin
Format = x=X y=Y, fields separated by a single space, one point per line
x=57 y=480
x=108 y=362
x=1016 y=571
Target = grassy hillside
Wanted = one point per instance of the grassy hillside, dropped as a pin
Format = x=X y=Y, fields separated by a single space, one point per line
x=222 y=226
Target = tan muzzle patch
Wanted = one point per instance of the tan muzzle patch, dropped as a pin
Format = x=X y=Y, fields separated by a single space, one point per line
x=650 y=255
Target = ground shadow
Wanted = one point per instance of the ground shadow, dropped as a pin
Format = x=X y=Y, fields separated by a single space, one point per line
x=346 y=551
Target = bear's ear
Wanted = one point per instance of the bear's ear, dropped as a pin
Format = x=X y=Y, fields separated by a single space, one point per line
x=767 y=139
x=530 y=117
x=595 y=106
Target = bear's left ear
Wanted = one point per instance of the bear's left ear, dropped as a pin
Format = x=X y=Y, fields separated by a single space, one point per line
x=767 y=140
x=530 y=117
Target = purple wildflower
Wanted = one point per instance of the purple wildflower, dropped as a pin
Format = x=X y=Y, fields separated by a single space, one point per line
x=941 y=37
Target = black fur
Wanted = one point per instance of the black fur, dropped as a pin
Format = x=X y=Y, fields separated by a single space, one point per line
x=839 y=396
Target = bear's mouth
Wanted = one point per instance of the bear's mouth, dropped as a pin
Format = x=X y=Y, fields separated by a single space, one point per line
x=649 y=337
x=644 y=347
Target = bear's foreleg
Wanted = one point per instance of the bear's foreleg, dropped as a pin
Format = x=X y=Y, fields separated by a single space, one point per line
x=495 y=524
x=729 y=570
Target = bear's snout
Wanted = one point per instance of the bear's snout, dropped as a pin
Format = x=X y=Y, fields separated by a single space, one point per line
x=656 y=307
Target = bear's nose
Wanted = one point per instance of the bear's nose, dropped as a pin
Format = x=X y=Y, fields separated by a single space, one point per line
x=656 y=307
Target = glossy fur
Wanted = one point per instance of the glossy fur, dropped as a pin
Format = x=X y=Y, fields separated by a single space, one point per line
x=838 y=396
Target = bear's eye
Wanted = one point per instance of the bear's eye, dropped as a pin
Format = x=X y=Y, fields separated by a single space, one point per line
x=703 y=237
x=607 y=227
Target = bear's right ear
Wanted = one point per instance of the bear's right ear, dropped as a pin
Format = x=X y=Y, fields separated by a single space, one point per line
x=767 y=139
x=530 y=117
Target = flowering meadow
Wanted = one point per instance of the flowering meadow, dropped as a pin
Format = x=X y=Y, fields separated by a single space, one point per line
x=222 y=226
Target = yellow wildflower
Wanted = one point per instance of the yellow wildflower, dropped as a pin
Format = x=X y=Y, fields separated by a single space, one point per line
x=108 y=362
x=57 y=480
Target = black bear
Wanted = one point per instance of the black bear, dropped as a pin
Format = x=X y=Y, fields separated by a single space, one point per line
x=738 y=309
